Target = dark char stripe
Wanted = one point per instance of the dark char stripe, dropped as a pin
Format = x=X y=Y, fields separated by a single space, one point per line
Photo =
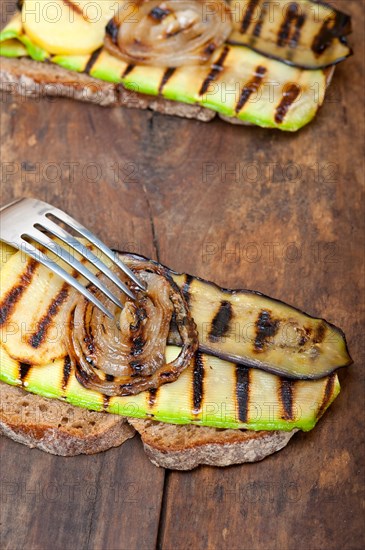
x=319 y=333
x=13 y=296
x=289 y=96
x=242 y=391
x=216 y=69
x=92 y=60
x=332 y=28
x=128 y=70
x=251 y=87
x=39 y=336
x=112 y=30
x=198 y=381
x=221 y=321
x=166 y=77
x=328 y=391
x=266 y=327
x=247 y=18
x=294 y=40
x=258 y=26
x=106 y=401
x=286 y=397
x=293 y=18
x=66 y=372
x=152 y=396
x=24 y=369
x=186 y=287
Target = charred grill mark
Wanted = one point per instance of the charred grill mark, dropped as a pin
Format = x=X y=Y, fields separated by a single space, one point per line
x=109 y=378
x=251 y=87
x=112 y=30
x=319 y=333
x=76 y=8
x=242 y=391
x=198 y=381
x=106 y=401
x=128 y=70
x=293 y=42
x=39 y=336
x=24 y=369
x=152 y=396
x=221 y=321
x=257 y=30
x=216 y=69
x=286 y=397
x=92 y=60
x=66 y=372
x=266 y=327
x=333 y=27
x=166 y=77
x=289 y=96
x=293 y=17
x=328 y=391
x=13 y=296
x=247 y=18
x=186 y=287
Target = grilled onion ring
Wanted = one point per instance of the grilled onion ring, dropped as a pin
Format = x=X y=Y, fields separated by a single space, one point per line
x=126 y=356
x=169 y=33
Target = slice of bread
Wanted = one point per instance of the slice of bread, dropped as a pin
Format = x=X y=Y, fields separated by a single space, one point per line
x=35 y=79
x=61 y=429
x=57 y=427
x=186 y=447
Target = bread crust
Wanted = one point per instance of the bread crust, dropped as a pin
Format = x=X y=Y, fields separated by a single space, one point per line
x=35 y=79
x=57 y=427
x=187 y=447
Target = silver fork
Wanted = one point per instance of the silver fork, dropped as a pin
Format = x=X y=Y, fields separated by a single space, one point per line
x=26 y=218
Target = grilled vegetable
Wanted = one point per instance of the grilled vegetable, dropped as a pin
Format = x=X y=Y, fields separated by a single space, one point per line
x=126 y=355
x=304 y=33
x=210 y=392
x=68 y=27
x=241 y=326
x=169 y=33
x=238 y=83
x=252 y=329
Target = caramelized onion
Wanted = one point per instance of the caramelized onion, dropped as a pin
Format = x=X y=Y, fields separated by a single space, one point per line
x=126 y=355
x=169 y=33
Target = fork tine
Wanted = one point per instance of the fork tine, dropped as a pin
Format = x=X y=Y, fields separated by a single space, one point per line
x=59 y=232
x=62 y=217
x=43 y=259
x=45 y=241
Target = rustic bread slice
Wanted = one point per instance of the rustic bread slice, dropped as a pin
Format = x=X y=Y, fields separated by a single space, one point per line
x=57 y=427
x=186 y=447
x=35 y=79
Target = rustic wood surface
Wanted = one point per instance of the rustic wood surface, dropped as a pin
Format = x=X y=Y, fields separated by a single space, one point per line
x=245 y=207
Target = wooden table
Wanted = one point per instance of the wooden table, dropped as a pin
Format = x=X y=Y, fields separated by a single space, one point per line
x=251 y=208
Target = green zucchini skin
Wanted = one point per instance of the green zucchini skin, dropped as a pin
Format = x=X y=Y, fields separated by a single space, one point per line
x=210 y=392
x=238 y=83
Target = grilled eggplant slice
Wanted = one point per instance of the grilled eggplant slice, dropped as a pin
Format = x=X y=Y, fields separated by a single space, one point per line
x=303 y=33
x=238 y=83
x=210 y=392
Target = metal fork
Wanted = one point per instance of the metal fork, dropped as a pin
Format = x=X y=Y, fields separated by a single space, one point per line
x=26 y=218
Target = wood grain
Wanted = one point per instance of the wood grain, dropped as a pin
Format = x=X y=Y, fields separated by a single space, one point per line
x=245 y=207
